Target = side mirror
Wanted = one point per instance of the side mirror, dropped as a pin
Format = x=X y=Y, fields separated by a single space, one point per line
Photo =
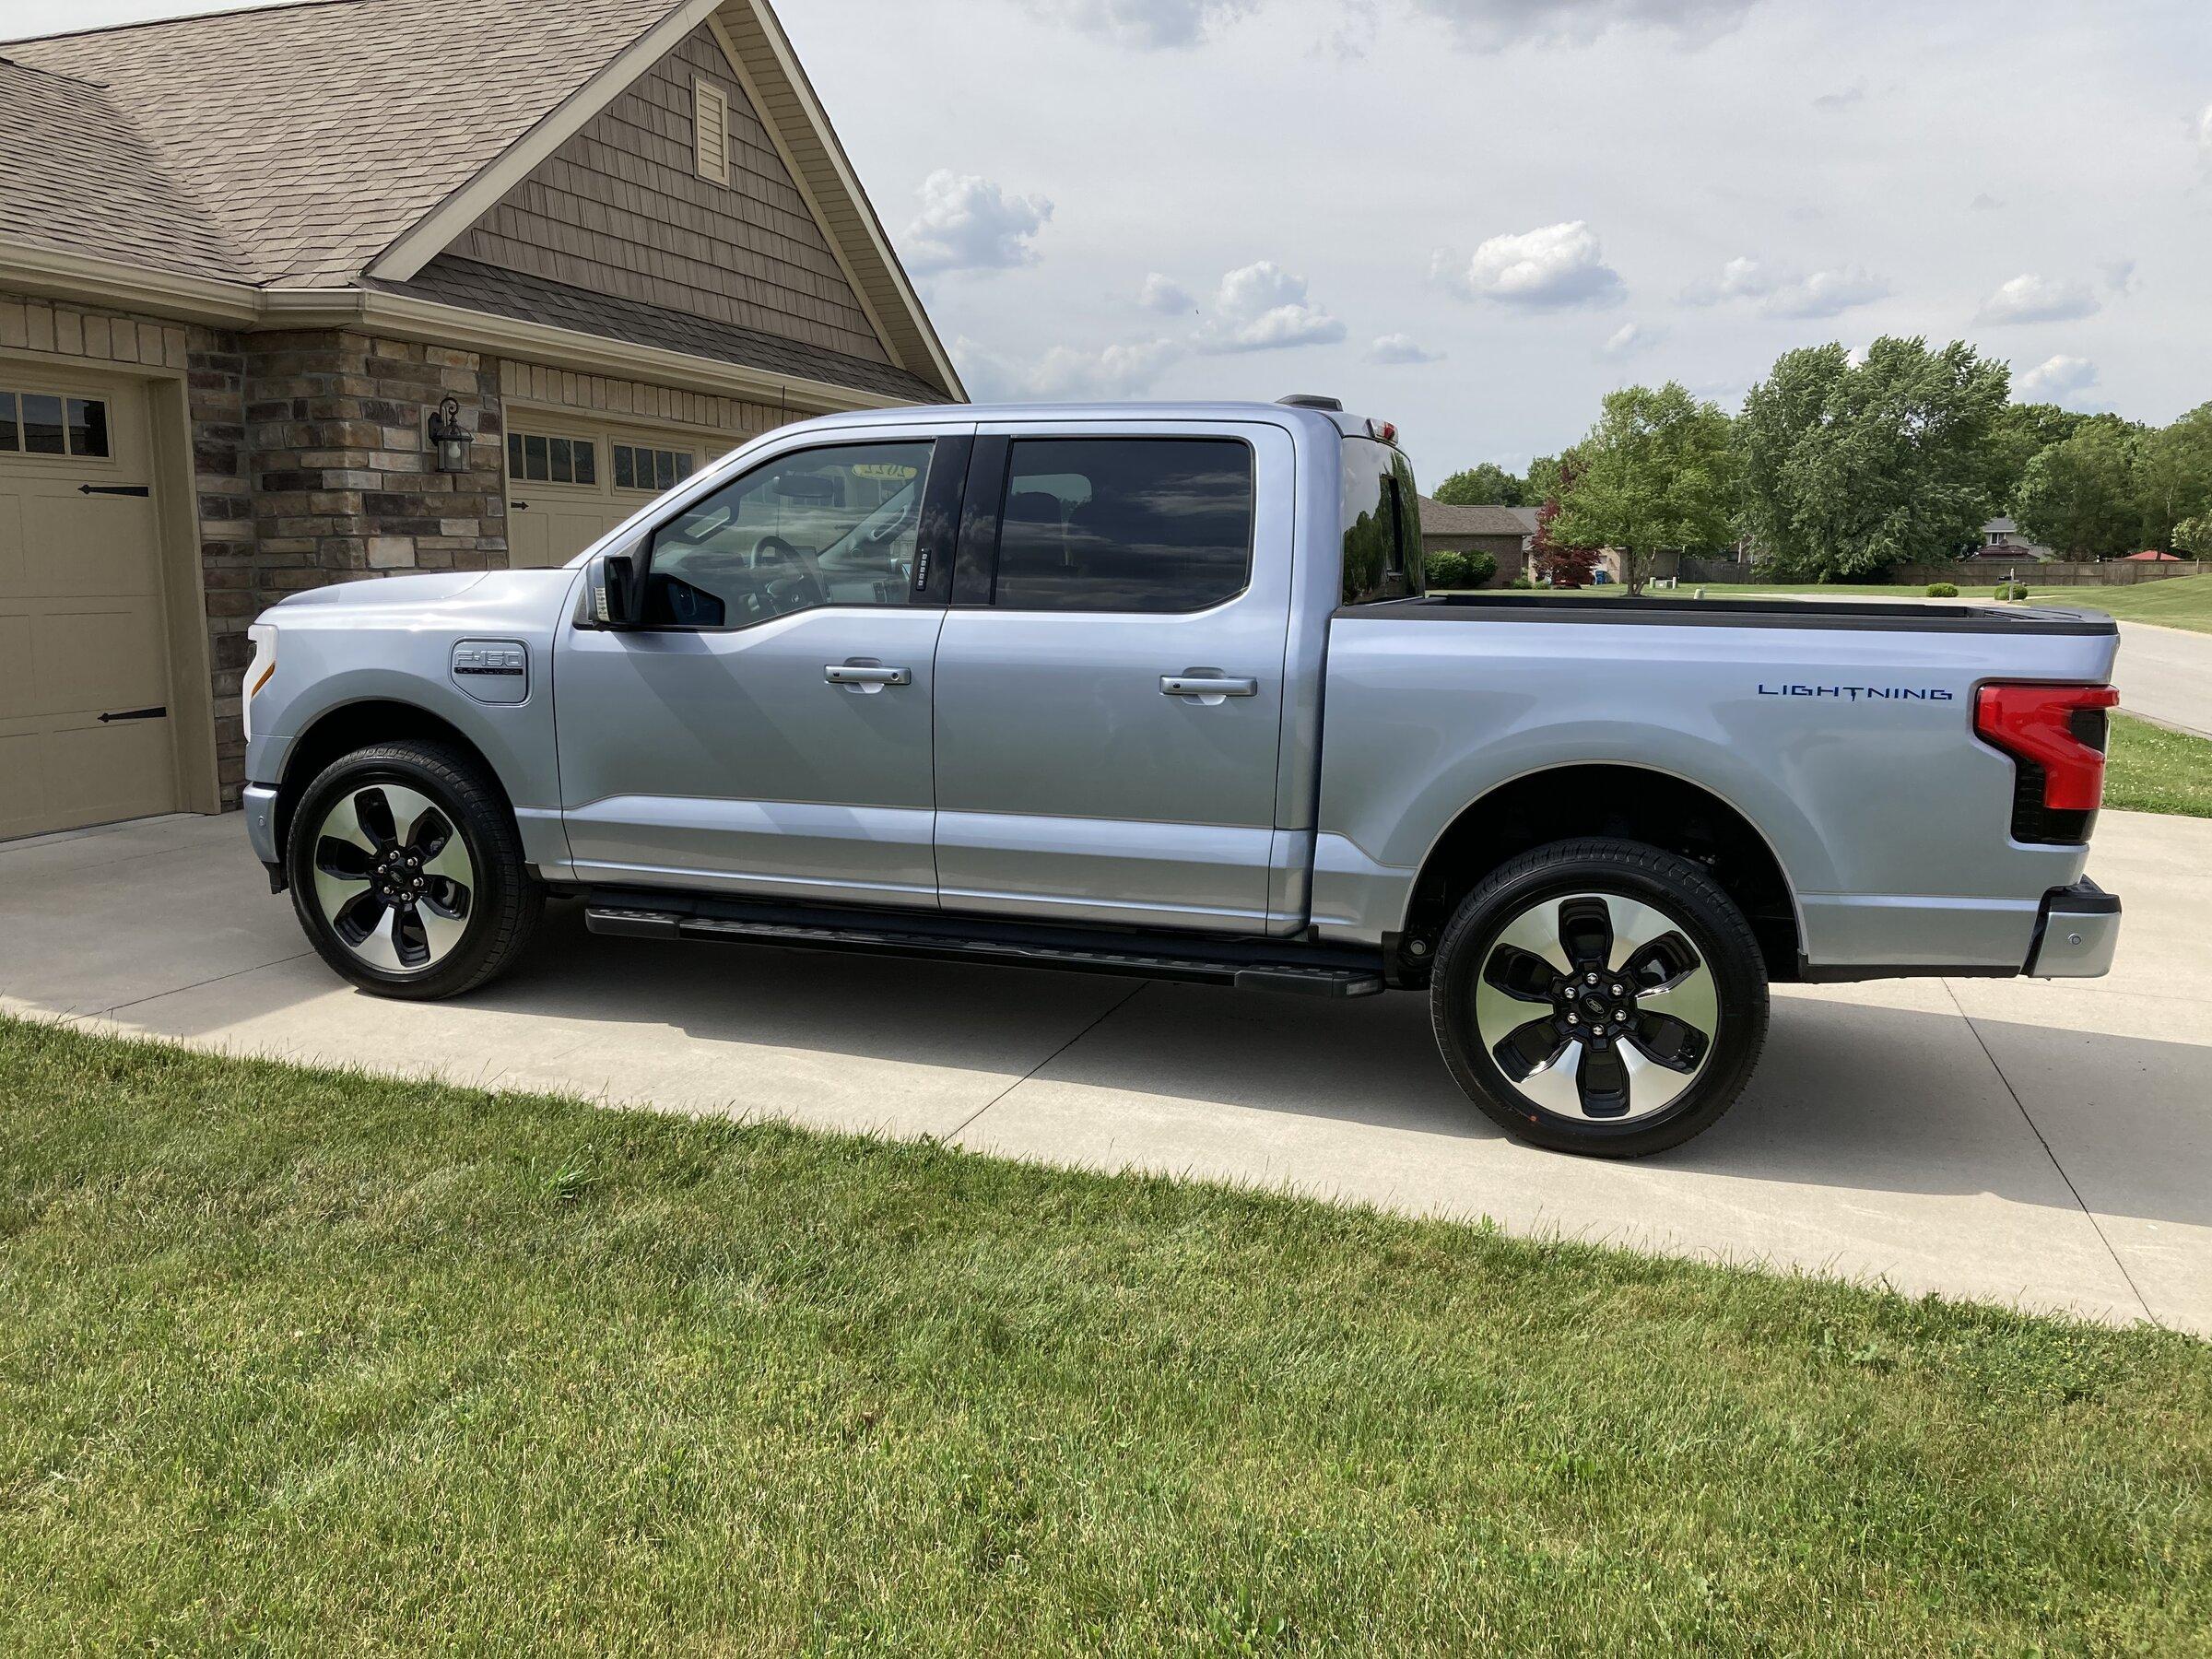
x=615 y=590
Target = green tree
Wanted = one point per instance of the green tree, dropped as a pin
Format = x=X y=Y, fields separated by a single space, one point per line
x=2023 y=432
x=2174 y=475
x=1657 y=473
x=1849 y=468
x=2192 y=538
x=2082 y=497
x=1488 y=485
x=1543 y=482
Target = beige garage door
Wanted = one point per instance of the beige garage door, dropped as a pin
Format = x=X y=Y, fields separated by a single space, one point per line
x=570 y=483
x=85 y=729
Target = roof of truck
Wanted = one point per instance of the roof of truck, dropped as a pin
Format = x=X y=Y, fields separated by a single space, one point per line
x=1354 y=426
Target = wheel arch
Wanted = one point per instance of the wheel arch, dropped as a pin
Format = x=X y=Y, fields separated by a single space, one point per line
x=346 y=726
x=1634 y=802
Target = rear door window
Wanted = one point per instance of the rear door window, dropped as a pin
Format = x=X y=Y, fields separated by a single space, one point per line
x=1382 y=526
x=1144 y=526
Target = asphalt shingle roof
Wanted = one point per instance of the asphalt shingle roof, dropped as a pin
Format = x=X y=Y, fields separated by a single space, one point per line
x=80 y=177
x=302 y=139
x=1439 y=519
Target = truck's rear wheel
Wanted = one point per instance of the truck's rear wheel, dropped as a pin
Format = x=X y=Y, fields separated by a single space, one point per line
x=406 y=873
x=1600 y=996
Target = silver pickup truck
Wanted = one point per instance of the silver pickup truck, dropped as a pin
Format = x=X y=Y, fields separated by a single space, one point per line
x=1157 y=690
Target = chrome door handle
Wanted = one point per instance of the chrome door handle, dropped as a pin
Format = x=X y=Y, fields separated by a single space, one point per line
x=1207 y=685
x=866 y=674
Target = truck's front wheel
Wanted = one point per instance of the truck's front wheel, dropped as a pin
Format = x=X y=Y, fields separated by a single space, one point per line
x=407 y=872
x=1600 y=996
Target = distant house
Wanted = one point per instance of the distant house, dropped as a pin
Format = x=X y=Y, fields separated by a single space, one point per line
x=2001 y=538
x=2150 y=555
x=1505 y=532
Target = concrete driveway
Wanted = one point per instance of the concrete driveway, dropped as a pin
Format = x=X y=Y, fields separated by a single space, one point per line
x=2048 y=1144
x=2165 y=673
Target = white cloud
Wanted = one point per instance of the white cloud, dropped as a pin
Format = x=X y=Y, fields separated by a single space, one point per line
x=1782 y=292
x=1493 y=24
x=968 y=223
x=1631 y=339
x=2029 y=298
x=1165 y=295
x=1147 y=25
x=1550 y=267
x=1401 y=349
x=1127 y=369
x=1261 y=306
x=2055 y=380
x=2204 y=132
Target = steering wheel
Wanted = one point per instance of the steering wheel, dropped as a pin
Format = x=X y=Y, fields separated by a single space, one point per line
x=773 y=549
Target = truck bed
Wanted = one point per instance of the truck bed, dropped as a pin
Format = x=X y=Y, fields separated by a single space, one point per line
x=1877 y=615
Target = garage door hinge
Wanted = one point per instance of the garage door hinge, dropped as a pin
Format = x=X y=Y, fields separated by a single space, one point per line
x=129 y=489
x=134 y=714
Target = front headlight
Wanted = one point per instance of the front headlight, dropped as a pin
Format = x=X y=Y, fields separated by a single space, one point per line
x=264 y=635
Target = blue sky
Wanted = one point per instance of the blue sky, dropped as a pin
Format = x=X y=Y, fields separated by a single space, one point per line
x=1476 y=217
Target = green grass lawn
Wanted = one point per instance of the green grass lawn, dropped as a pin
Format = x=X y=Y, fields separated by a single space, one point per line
x=296 y=1361
x=2151 y=768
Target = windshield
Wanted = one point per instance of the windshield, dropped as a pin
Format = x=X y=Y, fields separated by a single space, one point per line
x=1382 y=526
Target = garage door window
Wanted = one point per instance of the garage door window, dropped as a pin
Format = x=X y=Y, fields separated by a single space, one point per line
x=639 y=467
x=47 y=423
x=543 y=458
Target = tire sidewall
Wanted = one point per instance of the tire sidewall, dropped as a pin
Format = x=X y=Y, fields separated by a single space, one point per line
x=1716 y=929
x=360 y=771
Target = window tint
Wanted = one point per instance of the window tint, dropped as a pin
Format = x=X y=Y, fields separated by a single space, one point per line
x=824 y=527
x=42 y=424
x=1137 y=524
x=1382 y=526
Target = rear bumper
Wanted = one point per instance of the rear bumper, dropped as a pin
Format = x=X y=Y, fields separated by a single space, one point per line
x=2076 y=933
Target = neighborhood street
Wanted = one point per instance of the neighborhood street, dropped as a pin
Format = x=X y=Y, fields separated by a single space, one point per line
x=2044 y=1144
x=2165 y=673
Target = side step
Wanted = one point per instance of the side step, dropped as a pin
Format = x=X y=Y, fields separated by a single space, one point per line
x=1247 y=965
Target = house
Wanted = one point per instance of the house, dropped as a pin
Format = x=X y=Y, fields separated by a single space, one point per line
x=2003 y=539
x=2151 y=556
x=247 y=260
x=1505 y=532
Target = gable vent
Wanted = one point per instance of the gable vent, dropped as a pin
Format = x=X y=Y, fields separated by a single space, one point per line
x=710 y=131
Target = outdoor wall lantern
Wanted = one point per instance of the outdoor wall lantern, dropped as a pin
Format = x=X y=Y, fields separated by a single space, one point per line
x=450 y=438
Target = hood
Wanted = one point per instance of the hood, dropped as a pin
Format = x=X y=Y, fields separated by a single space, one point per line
x=429 y=589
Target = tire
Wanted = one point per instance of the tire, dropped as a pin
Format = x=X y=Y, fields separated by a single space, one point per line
x=455 y=917
x=1679 y=1006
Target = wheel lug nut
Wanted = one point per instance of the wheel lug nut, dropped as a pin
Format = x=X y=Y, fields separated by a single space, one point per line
x=1590 y=979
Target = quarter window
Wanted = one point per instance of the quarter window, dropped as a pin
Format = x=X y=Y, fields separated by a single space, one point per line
x=638 y=467
x=544 y=458
x=48 y=423
x=1149 y=525
x=838 y=526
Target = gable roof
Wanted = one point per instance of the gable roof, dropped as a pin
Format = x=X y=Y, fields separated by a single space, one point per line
x=1440 y=518
x=345 y=138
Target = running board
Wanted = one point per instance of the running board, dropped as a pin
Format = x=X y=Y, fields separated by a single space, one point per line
x=1237 y=965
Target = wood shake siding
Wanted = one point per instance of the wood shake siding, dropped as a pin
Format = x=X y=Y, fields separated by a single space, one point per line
x=620 y=209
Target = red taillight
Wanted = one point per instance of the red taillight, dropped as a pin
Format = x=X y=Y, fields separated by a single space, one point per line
x=2060 y=729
